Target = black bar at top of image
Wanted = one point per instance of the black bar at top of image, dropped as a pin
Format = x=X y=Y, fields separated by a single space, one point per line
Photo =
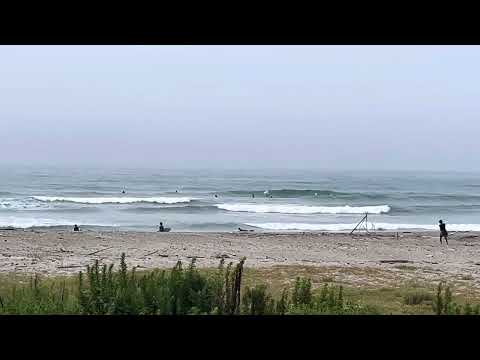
x=322 y=26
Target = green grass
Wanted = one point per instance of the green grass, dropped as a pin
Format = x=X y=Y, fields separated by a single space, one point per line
x=229 y=289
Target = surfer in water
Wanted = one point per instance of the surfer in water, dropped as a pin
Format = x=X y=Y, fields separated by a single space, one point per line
x=123 y=191
x=253 y=196
x=76 y=228
x=161 y=228
x=443 y=231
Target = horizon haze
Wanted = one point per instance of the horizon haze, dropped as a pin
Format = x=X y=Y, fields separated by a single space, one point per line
x=253 y=107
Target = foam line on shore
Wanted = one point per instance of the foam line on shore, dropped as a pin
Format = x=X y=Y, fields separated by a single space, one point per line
x=346 y=227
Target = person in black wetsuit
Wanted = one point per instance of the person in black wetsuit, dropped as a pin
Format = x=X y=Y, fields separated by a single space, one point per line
x=443 y=231
x=161 y=228
x=76 y=228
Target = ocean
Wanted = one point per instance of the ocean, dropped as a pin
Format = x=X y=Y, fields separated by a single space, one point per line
x=223 y=200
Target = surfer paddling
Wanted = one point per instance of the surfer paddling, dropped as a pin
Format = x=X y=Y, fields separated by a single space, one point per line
x=443 y=231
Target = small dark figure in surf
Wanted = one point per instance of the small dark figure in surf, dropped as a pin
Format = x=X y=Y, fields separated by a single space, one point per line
x=253 y=195
x=216 y=195
x=123 y=191
x=176 y=191
x=161 y=228
x=76 y=228
x=443 y=231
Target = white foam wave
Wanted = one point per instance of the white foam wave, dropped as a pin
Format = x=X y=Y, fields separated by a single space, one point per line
x=115 y=200
x=21 y=204
x=25 y=223
x=376 y=226
x=303 y=209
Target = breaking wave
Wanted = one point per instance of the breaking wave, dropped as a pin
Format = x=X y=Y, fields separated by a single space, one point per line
x=115 y=200
x=304 y=209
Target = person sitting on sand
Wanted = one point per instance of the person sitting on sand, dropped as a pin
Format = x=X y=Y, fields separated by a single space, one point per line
x=76 y=228
x=443 y=231
x=161 y=228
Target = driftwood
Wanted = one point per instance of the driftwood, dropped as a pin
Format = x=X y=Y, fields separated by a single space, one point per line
x=195 y=257
x=95 y=252
x=163 y=255
x=395 y=261
x=153 y=252
x=224 y=256
x=70 y=266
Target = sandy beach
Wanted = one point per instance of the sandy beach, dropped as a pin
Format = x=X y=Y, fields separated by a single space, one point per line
x=368 y=259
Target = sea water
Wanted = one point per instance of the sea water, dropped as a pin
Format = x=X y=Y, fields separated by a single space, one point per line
x=223 y=200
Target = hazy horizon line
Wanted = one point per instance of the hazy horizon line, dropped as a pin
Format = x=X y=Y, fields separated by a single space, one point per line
x=81 y=166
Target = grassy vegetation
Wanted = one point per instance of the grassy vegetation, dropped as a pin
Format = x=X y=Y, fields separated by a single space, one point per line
x=227 y=290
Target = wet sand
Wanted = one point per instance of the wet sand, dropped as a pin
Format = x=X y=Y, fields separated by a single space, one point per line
x=52 y=252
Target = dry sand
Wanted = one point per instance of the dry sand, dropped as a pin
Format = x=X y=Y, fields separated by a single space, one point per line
x=343 y=256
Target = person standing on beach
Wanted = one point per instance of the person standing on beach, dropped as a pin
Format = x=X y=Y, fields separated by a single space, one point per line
x=443 y=231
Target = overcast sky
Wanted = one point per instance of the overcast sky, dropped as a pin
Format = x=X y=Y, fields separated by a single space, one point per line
x=346 y=107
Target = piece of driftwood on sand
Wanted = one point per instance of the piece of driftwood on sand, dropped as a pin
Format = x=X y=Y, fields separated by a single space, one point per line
x=395 y=261
x=96 y=252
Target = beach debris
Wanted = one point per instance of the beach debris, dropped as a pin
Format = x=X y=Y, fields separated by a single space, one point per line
x=163 y=255
x=95 y=252
x=222 y=256
x=151 y=253
x=395 y=261
x=195 y=257
x=70 y=266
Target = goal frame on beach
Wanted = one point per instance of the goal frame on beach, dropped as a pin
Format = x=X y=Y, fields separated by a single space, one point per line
x=363 y=220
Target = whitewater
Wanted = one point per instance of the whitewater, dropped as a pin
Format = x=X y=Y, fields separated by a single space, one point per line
x=301 y=209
